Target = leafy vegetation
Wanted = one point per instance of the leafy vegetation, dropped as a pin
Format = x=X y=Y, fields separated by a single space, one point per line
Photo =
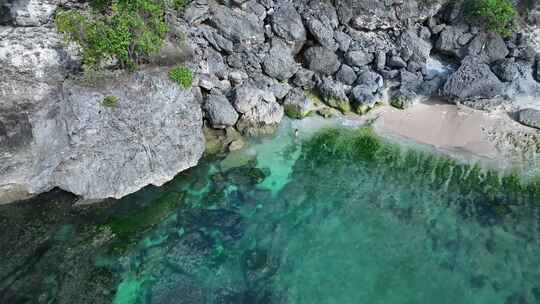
x=181 y=75
x=128 y=228
x=110 y=101
x=179 y=4
x=122 y=31
x=498 y=16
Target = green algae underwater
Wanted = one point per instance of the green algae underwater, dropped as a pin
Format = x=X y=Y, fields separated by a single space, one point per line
x=342 y=216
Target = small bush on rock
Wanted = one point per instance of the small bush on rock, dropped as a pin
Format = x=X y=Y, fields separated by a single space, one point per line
x=110 y=102
x=498 y=16
x=181 y=75
x=125 y=31
x=179 y=4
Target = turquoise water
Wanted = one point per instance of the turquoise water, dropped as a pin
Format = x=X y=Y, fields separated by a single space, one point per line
x=332 y=219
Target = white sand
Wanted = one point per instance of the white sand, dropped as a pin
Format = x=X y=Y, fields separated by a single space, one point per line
x=443 y=126
x=456 y=130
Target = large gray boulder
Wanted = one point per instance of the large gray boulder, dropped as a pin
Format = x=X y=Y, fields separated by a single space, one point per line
x=304 y=78
x=523 y=83
x=246 y=96
x=107 y=141
x=219 y=111
x=488 y=46
x=287 y=24
x=297 y=105
x=451 y=40
x=413 y=47
x=323 y=33
x=237 y=26
x=384 y=15
x=367 y=91
x=473 y=80
x=280 y=63
x=346 y=75
x=322 y=60
x=359 y=58
x=506 y=70
x=334 y=94
x=260 y=112
x=529 y=117
x=321 y=20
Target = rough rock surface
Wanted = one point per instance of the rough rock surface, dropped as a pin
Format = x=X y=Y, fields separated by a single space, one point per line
x=322 y=60
x=297 y=105
x=29 y=12
x=238 y=27
x=261 y=114
x=334 y=94
x=252 y=59
x=82 y=146
x=279 y=63
x=530 y=117
x=287 y=24
x=474 y=79
x=219 y=111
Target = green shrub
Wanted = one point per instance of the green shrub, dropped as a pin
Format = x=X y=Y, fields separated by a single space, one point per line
x=181 y=75
x=179 y=4
x=125 y=30
x=110 y=101
x=498 y=16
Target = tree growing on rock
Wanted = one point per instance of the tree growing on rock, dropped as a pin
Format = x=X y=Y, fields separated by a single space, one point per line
x=498 y=16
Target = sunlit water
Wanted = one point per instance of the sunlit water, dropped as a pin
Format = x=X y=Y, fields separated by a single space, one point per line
x=279 y=224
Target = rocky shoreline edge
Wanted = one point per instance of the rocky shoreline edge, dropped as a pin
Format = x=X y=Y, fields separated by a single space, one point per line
x=254 y=62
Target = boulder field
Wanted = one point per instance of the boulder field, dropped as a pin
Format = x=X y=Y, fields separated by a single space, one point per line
x=254 y=62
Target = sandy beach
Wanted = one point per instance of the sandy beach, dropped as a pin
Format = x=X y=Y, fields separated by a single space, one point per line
x=458 y=130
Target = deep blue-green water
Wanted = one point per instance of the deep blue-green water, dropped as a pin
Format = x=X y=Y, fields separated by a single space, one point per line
x=337 y=218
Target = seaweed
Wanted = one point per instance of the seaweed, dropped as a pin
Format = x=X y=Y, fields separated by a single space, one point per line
x=363 y=146
x=126 y=229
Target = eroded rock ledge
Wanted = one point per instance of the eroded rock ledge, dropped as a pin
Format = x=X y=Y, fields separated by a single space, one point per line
x=255 y=61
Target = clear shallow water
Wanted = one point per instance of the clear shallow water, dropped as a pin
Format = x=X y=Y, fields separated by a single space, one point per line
x=327 y=221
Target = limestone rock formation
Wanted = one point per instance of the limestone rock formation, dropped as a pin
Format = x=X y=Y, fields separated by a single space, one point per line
x=95 y=149
x=530 y=117
x=252 y=61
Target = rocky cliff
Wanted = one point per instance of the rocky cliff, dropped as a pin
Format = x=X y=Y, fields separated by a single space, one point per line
x=254 y=61
x=56 y=131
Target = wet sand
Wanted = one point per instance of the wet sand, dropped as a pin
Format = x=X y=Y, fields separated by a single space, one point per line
x=460 y=131
x=443 y=126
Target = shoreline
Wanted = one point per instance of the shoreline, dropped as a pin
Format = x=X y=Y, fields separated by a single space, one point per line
x=460 y=132
x=434 y=126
